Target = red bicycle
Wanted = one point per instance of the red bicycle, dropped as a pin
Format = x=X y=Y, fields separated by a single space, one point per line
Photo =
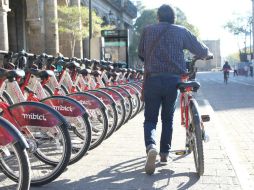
x=191 y=118
x=226 y=75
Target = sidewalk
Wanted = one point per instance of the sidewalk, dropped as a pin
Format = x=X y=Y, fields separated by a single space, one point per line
x=118 y=164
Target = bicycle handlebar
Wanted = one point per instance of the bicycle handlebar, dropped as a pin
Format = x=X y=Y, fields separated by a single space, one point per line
x=191 y=67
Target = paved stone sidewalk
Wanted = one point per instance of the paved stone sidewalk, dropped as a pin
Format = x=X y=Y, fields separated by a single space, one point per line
x=118 y=164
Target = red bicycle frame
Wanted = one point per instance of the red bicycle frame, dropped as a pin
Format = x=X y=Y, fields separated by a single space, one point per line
x=184 y=103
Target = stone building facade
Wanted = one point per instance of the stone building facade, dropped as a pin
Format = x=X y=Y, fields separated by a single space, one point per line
x=214 y=46
x=27 y=24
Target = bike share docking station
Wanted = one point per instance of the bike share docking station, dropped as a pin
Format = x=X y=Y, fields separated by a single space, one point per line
x=115 y=46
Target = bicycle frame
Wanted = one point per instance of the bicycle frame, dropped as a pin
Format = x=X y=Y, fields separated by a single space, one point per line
x=23 y=113
x=65 y=105
x=185 y=98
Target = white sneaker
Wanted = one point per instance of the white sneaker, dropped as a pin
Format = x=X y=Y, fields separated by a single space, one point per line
x=150 y=161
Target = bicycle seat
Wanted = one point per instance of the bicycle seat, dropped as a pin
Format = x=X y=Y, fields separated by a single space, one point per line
x=96 y=73
x=192 y=85
x=123 y=70
x=109 y=68
x=85 y=72
x=73 y=64
x=11 y=74
x=40 y=73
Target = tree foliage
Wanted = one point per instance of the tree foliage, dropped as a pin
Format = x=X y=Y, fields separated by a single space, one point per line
x=74 y=20
x=233 y=57
x=240 y=26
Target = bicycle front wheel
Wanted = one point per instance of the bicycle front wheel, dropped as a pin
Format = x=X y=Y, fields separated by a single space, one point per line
x=14 y=161
x=46 y=132
x=119 y=105
x=196 y=143
x=97 y=116
x=77 y=117
x=14 y=164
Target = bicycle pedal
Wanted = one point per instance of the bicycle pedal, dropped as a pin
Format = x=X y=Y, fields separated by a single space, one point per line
x=205 y=118
x=180 y=152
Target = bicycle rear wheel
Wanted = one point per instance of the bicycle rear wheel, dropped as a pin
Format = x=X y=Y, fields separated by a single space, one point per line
x=196 y=142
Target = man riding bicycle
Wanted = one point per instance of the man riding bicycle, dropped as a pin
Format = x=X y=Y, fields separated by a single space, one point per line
x=226 y=68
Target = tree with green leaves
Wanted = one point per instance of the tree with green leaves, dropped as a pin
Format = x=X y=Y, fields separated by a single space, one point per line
x=74 y=20
x=240 y=27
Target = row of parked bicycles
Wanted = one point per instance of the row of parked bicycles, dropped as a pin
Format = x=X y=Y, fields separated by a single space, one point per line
x=56 y=109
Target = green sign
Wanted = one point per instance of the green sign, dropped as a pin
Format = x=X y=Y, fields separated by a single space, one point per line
x=114 y=33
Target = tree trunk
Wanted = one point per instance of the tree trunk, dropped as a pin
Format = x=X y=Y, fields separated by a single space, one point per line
x=73 y=42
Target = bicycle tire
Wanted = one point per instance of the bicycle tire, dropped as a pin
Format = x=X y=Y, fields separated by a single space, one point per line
x=13 y=156
x=110 y=111
x=136 y=98
x=127 y=101
x=139 y=89
x=226 y=78
x=22 y=160
x=197 y=143
x=80 y=127
x=97 y=116
x=76 y=153
x=138 y=84
x=81 y=152
x=119 y=100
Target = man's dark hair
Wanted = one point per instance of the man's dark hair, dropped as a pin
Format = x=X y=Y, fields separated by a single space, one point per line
x=166 y=13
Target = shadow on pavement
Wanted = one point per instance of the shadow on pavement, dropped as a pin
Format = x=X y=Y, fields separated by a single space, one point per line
x=128 y=175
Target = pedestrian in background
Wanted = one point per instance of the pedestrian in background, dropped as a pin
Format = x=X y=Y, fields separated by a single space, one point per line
x=246 y=70
x=161 y=48
x=251 y=70
x=235 y=70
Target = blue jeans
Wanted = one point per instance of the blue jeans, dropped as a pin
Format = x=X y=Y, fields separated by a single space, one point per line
x=160 y=91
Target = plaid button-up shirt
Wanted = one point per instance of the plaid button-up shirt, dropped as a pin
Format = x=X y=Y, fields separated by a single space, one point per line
x=167 y=54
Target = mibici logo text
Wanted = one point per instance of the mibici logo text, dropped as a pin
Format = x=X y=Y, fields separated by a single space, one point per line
x=63 y=108
x=34 y=116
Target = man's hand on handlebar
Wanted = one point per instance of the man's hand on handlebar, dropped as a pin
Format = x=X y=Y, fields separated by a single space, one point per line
x=208 y=57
